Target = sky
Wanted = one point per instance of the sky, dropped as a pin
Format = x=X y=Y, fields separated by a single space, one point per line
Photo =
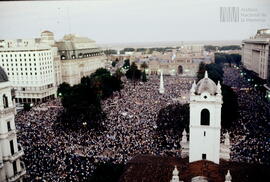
x=123 y=21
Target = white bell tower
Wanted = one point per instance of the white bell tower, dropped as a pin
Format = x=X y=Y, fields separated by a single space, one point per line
x=205 y=120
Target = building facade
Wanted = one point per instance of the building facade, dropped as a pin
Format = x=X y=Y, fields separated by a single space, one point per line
x=29 y=65
x=11 y=167
x=36 y=67
x=256 y=55
x=79 y=57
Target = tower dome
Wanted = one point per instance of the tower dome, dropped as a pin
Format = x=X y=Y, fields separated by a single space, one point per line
x=206 y=85
x=3 y=75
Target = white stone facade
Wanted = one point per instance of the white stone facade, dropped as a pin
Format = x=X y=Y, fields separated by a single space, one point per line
x=74 y=69
x=11 y=167
x=205 y=124
x=30 y=70
x=36 y=67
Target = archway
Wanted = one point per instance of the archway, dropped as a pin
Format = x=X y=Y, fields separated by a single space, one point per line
x=180 y=70
x=205 y=117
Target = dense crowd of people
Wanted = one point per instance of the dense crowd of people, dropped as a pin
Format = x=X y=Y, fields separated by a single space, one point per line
x=53 y=153
x=251 y=132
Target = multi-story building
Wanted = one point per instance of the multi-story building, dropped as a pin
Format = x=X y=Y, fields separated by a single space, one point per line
x=36 y=67
x=79 y=57
x=30 y=67
x=11 y=167
x=256 y=55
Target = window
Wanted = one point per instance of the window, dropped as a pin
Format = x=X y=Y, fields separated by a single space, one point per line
x=8 y=126
x=15 y=170
x=5 y=101
x=204 y=133
x=205 y=117
x=203 y=156
x=11 y=147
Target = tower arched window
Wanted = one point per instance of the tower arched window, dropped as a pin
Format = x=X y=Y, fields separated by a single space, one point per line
x=205 y=117
x=5 y=101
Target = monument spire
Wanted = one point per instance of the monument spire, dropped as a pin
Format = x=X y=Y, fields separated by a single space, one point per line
x=161 y=85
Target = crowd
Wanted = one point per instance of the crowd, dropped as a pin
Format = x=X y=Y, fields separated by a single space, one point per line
x=53 y=153
x=251 y=132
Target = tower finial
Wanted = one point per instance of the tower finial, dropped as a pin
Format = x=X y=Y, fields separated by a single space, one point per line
x=175 y=177
x=205 y=74
x=219 y=88
x=228 y=177
x=192 y=90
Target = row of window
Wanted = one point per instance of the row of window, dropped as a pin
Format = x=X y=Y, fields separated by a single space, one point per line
x=29 y=59
x=24 y=55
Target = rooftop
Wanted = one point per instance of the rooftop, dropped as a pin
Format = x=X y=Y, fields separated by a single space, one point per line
x=148 y=168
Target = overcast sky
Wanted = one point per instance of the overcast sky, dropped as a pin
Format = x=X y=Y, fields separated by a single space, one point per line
x=122 y=21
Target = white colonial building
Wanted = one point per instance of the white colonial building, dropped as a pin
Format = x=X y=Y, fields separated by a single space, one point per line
x=11 y=167
x=205 y=124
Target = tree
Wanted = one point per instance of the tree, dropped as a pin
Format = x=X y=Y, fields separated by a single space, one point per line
x=26 y=107
x=144 y=78
x=63 y=89
x=126 y=64
x=144 y=65
x=133 y=73
x=113 y=64
x=169 y=122
x=82 y=106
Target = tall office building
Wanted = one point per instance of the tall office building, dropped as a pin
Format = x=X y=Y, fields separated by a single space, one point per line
x=29 y=65
x=11 y=167
x=256 y=55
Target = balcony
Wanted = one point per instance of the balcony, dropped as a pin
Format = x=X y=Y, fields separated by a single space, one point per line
x=15 y=155
x=19 y=174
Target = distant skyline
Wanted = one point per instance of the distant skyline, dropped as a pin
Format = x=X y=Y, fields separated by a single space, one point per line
x=126 y=21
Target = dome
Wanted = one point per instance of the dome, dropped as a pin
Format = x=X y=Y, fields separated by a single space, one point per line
x=46 y=32
x=206 y=85
x=3 y=75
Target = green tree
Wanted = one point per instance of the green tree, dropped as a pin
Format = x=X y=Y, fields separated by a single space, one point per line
x=126 y=64
x=26 y=107
x=113 y=64
x=144 y=65
x=63 y=89
x=82 y=106
x=144 y=78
